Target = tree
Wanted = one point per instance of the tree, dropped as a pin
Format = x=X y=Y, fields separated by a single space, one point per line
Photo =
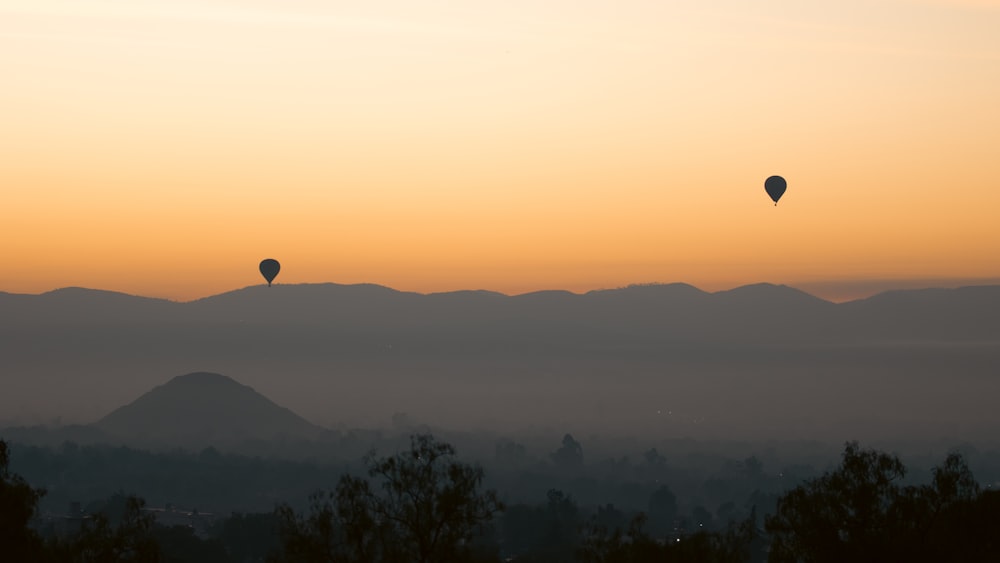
x=129 y=538
x=633 y=545
x=570 y=455
x=510 y=454
x=701 y=516
x=248 y=537
x=841 y=516
x=654 y=459
x=737 y=544
x=860 y=513
x=18 y=502
x=662 y=511
x=340 y=527
x=425 y=506
x=549 y=532
x=180 y=544
x=946 y=517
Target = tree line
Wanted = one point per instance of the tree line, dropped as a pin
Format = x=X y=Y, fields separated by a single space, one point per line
x=424 y=504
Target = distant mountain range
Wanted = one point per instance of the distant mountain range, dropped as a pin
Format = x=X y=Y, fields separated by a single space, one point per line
x=761 y=312
x=355 y=354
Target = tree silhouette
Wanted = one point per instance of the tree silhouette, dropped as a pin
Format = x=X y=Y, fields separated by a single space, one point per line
x=122 y=532
x=18 y=502
x=843 y=515
x=569 y=455
x=662 y=511
x=510 y=454
x=425 y=506
x=859 y=512
x=736 y=544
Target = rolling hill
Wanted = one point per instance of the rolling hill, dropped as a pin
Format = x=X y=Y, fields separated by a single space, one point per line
x=205 y=408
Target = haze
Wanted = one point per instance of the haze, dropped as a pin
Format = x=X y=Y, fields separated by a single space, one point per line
x=756 y=363
x=535 y=232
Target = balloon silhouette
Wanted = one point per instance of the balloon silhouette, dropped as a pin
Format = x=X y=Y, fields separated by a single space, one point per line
x=775 y=187
x=269 y=268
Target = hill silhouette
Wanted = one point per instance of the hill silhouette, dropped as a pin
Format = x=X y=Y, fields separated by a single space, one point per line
x=677 y=310
x=764 y=359
x=204 y=409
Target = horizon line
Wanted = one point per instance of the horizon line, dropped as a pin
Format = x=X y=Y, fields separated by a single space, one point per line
x=866 y=288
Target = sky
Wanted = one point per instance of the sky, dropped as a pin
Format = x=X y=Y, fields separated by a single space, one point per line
x=165 y=147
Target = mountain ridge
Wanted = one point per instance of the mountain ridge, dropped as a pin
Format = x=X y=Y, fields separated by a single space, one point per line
x=375 y=289
x=357 y=354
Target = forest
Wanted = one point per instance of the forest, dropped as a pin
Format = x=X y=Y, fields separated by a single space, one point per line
x=426 y=503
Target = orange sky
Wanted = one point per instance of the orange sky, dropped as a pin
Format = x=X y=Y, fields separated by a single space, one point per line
x=165 y=147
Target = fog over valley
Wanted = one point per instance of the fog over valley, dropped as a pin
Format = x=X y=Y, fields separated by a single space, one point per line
x=759 y=362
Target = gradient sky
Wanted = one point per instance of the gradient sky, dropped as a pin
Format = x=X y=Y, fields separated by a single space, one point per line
x=165 y=147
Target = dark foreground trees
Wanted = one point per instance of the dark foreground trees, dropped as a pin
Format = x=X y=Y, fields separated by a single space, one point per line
x=98 y=540
x=739 y=543
x=18 y=502
x=422 y=505
x=860 y=512
x=122 y=533
x=425 y=505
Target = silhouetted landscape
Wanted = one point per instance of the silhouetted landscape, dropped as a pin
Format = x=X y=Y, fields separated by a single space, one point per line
x=756 y=362
x=490 y=184
x=580 y=427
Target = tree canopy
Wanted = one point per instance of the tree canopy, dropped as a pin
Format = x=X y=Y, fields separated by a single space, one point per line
x=861 y=512
x=419 y=505
x=18 y=502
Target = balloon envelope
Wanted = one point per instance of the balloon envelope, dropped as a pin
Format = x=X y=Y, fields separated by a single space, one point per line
x=269 y=268
x=775 y=187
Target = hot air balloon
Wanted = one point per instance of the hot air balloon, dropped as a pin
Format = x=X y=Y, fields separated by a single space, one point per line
x=269 y=268
x=775 y=187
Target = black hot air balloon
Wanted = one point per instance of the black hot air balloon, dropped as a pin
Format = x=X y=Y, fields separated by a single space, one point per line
x=269 y=268
x=775 y=187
